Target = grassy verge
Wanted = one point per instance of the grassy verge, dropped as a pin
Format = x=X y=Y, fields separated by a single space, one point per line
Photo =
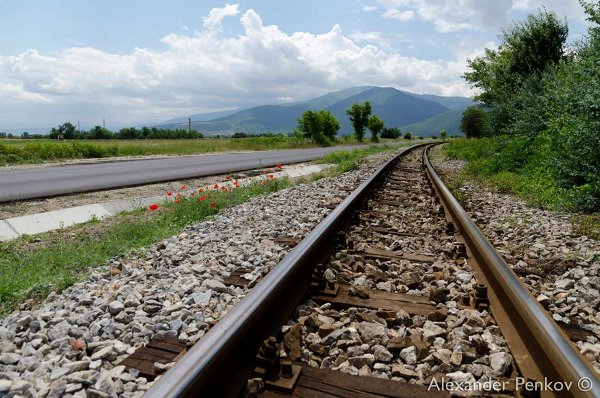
x=500 y=165
x=31 y=267
x=503 y=166
x=28 y=151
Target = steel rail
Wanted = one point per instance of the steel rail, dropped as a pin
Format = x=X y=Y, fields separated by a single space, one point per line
x=221 y=362
x=539 y=346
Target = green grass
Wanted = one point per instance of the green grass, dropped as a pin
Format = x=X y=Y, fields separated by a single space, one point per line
x=31 y=267
x=506 y=166
x=16 y=151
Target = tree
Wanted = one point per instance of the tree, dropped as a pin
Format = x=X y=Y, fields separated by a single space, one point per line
x=526 y=50
x=443 y=134
x=375 y=125
x=407 y=136
x=473 y=122
x=390 y=132
x=100 y=133
x=359 y=117
x=319 y=126
x=67 y=130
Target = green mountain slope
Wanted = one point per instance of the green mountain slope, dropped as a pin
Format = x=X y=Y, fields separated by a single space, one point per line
x=421 y=112
x=449 y=120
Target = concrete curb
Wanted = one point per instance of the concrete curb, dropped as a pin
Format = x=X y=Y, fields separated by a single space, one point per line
x=32 y=224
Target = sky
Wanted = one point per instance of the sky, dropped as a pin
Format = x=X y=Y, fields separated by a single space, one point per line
x=141 y=61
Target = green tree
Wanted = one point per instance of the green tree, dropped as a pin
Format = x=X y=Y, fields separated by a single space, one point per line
x=473 y=122
x=390 y=132
x=526 y=50
x=407 y=136
x=375 y=125
x=443 y=134
x=359 y=117
x=67 y=130
x=99 y=133
x=318 y=126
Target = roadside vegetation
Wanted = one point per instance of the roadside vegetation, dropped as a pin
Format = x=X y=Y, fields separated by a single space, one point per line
x=538 y=117
x=33 y=266
x=19 y=151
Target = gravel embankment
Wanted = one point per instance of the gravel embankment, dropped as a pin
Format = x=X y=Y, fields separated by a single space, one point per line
x=173 y=288
x=561 y=268
x=453 y=343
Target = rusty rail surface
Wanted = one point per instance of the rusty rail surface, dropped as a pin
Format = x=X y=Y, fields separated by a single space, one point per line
x=540 y=348
x=221 y=362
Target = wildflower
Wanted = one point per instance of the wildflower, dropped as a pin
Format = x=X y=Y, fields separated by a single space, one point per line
x=279 y=166
x=228 y=178
x=264 y=182
x=177 y=200
x=183 y=187
x=153 y=207
x=270 y=176
x=216 y=186
x=213 y=205
x=200 y=190
x=202 y=198
x=169 y=193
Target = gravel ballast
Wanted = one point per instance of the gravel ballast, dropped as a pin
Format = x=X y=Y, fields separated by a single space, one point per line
x=71 y=344
x=561 y=267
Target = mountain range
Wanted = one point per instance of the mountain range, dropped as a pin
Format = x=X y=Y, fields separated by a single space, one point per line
x=422 y=114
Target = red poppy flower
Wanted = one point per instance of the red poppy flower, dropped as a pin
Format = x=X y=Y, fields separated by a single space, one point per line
x=263 y=182
x=270 y=176
x=213 y=205
x=200 y=190
x=183 y=187
x=169 y=193
x=177 y=200
x=228 y=178
x=202 y=198
x=279 y=166
x=153 y=207
x=216 y=186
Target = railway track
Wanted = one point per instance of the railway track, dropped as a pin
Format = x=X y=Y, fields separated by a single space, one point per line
x=396 y=293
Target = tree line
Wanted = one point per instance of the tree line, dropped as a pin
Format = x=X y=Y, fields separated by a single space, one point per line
x=541 y=98
x=322 y=126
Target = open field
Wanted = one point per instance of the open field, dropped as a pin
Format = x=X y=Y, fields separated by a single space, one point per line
x=17 y=151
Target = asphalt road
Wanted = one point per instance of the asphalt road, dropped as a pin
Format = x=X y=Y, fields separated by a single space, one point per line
x=40 y=182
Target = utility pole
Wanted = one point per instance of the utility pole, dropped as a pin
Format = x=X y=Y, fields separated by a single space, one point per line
x=189 y=124
x=78 y=127
x=103 y=123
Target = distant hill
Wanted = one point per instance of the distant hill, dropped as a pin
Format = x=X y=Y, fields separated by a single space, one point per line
x=422 y=113
x=449 y=120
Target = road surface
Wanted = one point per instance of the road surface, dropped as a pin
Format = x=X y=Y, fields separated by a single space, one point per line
x=40 y=182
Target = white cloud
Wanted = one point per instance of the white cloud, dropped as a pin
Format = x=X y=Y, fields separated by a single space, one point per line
x=369 y=8
x=203 y=72
x=216 y=16
x=452 y=15
x=398 y=15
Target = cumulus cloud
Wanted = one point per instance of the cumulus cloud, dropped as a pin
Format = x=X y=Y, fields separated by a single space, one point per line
x=202 y=71
x=216 y=16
